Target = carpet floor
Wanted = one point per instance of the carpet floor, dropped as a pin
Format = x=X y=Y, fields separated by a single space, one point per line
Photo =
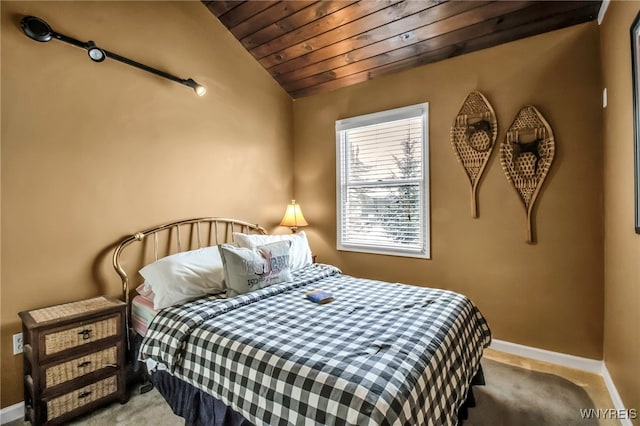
x=513 y=396
x=516 y=396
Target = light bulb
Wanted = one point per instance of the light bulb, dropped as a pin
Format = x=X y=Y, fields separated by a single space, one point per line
x=200 y=90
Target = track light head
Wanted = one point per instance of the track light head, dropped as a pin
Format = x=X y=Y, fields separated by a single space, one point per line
x=200 y=90
x=95 y=53
x=36 y=28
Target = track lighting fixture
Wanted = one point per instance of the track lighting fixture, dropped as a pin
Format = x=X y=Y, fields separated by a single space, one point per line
x=38 y=30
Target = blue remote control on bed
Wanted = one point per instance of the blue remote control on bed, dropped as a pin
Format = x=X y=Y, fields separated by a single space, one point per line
x=319 y=296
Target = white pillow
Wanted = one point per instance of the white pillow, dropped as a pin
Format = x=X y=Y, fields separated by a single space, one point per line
x=250 y=269
x=184 y=276
x=300 y=251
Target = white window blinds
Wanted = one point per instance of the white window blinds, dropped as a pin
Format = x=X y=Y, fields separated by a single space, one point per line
x=382 y=182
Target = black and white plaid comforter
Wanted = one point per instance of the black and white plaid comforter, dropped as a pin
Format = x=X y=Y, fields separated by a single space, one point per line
x=380 y=354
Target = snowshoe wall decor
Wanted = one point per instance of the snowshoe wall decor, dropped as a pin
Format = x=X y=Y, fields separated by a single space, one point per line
x=526 y=155
x=473 y=135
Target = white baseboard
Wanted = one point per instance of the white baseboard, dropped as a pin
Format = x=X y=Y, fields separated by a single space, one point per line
x=613 y=392
x=12 y=412
x=571 y=361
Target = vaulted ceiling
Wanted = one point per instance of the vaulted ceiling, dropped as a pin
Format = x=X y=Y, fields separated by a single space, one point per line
x=315 y=46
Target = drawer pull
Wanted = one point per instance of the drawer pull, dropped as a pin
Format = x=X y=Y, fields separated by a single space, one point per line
x=86 y=333
x=84 y=364
x=84 y=394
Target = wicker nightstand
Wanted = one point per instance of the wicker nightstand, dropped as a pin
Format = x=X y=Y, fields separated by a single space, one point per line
x=74 y=358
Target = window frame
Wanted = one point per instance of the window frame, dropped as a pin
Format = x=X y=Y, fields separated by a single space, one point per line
x=412 y=111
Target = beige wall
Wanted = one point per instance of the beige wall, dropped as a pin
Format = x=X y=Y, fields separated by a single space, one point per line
x=92 y=152
x=622 y=245
x=548 y=295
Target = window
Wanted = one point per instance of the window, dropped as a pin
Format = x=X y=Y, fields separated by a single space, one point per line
x=382 y=182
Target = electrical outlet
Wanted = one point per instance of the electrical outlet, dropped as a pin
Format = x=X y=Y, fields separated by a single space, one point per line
x=17 y=343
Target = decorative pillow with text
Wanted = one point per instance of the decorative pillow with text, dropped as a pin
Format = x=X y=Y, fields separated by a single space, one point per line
x=248 y=269
x=300 y=251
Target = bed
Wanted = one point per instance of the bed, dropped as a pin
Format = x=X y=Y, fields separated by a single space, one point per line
x=379 y=354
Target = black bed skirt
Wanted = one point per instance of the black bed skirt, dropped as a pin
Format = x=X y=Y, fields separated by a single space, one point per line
x=195 y=406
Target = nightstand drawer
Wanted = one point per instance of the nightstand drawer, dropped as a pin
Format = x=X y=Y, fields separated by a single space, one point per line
x=73 y=400
x=60 y=340
x=66 y=371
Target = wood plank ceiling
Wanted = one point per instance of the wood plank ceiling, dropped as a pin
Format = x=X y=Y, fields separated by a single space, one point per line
x=315 y=46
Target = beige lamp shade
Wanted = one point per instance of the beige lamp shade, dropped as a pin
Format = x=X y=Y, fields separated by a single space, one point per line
x=293 y=217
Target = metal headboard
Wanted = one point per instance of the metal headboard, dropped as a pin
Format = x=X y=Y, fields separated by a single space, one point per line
x=214 y=227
